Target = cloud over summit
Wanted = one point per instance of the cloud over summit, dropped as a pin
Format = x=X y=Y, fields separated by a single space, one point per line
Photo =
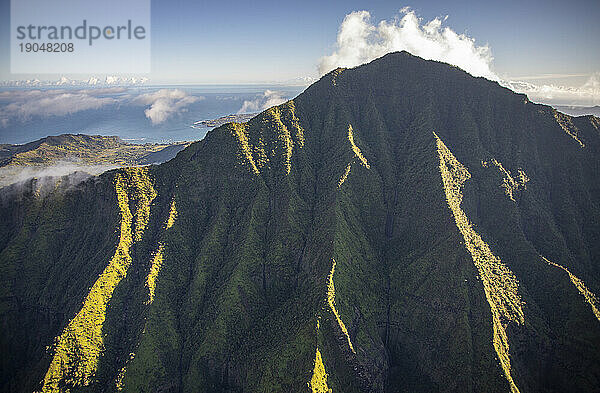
x=359 y=41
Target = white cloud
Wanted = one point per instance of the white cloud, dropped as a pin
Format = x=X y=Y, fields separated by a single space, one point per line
x=24 y=104
x=66 y=82
x=548 y=76
x=586 y=94
x=63 y=81
x=164 y=103
x=49 y=174
x=98 y=91
x=301 y=81
x=360 y=41
x=264 y=101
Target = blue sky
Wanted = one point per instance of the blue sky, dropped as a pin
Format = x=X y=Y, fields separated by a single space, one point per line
x=264 y=41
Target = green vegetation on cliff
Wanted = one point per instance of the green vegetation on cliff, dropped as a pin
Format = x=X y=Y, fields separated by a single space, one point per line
x=78 y=348
x=499 y=283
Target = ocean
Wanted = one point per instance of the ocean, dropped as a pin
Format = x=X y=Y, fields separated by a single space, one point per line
x=147 y=114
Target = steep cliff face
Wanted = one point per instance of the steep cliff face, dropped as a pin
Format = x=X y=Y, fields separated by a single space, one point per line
x=400 y=226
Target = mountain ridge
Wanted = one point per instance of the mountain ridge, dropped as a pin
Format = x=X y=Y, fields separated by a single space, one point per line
x=322 y=245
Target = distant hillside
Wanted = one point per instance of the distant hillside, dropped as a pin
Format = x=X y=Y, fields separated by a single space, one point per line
x=67 y=153
x=88 y=149
x=237 y=118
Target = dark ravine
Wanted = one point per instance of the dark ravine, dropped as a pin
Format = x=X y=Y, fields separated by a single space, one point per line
x=398 y=227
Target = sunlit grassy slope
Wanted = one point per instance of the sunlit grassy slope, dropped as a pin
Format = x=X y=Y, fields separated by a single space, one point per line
x=77 y=350
x=388 y=230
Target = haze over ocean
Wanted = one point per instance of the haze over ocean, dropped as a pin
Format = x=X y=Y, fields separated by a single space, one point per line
x=147 y=114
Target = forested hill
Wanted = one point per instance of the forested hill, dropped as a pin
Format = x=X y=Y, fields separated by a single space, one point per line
x=87 y=150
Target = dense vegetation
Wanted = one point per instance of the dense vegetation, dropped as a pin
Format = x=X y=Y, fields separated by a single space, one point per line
x=399 y=226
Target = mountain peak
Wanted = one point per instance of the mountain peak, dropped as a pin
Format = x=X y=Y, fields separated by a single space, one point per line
x=400 y=225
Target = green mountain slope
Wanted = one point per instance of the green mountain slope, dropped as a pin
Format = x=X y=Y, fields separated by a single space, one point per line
x=88 y=150
x=399 y=226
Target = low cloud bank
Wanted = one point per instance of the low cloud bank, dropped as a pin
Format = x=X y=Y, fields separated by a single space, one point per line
x=264 y=101
x=165 y=103
x=109 y=80
x=49 y=175
x=586 y=94
x=22 y=105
